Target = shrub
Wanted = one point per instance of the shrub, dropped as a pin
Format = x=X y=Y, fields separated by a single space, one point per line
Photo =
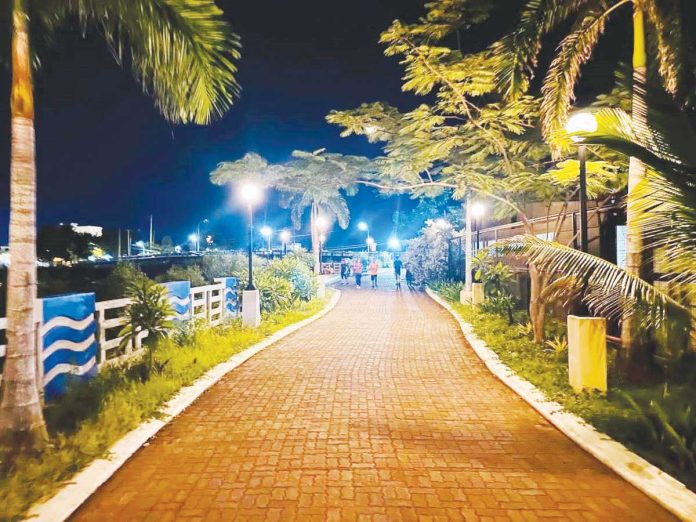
x=276 y=293
x=118 y=280
x=427 y=253
x=149 y=311
x=229 y=265
x=191 y=273
x=294 y=270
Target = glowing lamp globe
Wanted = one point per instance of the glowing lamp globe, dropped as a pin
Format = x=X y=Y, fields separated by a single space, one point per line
x=394 y=243
x=250 y=193
x=285 y=236
x=581 y=122
x=478 y=210
x=266 y=231
x=362 y=226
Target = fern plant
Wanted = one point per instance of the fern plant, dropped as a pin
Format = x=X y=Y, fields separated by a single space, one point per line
x=149 y=312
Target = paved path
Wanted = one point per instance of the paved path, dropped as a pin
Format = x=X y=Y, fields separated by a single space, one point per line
x=378 y=411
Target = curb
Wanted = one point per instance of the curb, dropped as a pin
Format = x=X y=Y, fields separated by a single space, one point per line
x=68 y=499
x=655 y=483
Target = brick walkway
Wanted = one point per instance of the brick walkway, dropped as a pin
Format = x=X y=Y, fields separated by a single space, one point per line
x=378 y=411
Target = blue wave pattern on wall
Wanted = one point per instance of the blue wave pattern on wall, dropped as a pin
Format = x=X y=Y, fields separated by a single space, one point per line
x=69 y=345
x=230 y=296
x=180 y=298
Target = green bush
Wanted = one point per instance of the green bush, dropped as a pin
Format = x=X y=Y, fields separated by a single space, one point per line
x=276 y=293
x=294 y=270
x=118 y=280
x=191 y=273
x=225 y=264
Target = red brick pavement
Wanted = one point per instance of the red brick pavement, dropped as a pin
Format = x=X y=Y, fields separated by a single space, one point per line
x=378 y=411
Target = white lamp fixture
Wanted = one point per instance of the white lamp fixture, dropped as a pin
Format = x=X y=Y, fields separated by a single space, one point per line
x=250 y=193
x=581 y=122
x=362 y=226
x=478 y=209
x=394 y=243
x=266 y=231
x=322 y=223
x=285 y=236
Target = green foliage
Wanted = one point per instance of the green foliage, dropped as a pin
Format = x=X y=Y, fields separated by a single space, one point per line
x=149 y=311
x=183 y=52
x=558 y=343
x=192 y=273
x=117 y=281
x=427 y=253
x=276 y=293
x=96 y=414
x=297 y=272
x=225 y=264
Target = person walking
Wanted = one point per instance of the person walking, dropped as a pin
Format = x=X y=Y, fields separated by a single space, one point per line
x=357 y=271
x=345 y=269
x=397 y=271
x=374 y=270
x=410 y=280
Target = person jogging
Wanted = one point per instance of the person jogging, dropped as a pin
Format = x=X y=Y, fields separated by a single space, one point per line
x=345 y=270
x=357 y=271
x=397 y=271
x=374 y=270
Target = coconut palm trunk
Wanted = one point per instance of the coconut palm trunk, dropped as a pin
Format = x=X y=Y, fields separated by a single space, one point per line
x=314 y=215
x=468 y=246
x=636 y=169
x=21 y=419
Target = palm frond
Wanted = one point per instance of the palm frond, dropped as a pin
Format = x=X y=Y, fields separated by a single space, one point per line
x=666 y=19
x=183 y=52
x=558 y=89
x=610 y=291
x=518 y=52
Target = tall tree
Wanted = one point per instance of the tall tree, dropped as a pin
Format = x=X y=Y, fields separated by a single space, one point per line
x=518 y=55
x=318 y=181
x=183 y=53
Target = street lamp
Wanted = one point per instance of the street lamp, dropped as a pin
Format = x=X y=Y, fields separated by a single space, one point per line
x=582 y=122
x=477 y=211
x=394 y=243
x=198 y=234
x=193 y=239
x=285 y=237
x=267 y=232
x=365 y=228
x=250 y=194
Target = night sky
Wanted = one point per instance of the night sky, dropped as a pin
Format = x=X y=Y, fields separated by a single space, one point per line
x=106 y=157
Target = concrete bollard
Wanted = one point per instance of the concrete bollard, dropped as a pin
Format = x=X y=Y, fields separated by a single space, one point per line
x=587 y=353
x=477 y=294
x=251 y=308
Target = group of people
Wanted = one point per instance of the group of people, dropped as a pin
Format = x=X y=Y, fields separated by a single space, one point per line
x=356 y=268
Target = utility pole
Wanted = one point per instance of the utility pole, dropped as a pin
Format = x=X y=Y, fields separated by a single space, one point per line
x=152 y=234
x=119 y=244
x=128 y=241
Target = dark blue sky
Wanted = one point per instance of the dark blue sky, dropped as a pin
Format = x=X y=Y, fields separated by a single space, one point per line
x=106 y=157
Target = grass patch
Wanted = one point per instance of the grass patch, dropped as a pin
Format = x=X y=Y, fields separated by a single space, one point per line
x=91 y=417
x=611 y=414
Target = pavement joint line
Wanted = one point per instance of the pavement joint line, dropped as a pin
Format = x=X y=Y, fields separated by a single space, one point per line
x=655 y=483
x=85 y=483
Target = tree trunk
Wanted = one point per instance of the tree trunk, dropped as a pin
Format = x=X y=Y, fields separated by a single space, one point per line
x=636 y=169
x=22 y=425
x=537 y=307
x=314 y=214
x=468 y=246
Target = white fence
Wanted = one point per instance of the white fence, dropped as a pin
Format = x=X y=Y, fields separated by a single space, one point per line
x=207 y=304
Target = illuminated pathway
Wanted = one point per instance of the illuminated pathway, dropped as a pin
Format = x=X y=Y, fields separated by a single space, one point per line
x=378 y=411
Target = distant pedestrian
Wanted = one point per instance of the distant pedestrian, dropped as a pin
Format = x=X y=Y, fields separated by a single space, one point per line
x=397 y=271
x=409 y=276
x=374 y=270
x=345 y=270
x=357 y=271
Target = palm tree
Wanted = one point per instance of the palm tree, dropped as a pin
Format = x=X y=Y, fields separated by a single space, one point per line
x=183 y=53
x=316 y=180
x=519 y=53
x=667 y=223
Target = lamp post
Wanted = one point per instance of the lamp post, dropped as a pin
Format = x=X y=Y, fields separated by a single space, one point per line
x=285 y=237
x=250 y=194
x=365 y=228
x=477 y=211
x=267 y=232
x=582 y=122
x=193 y=239
x=198 y=234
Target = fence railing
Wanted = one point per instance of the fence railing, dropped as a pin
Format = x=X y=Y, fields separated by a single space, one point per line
x=79 y=336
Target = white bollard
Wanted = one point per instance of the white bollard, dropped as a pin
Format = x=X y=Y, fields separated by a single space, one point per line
x=477 y=294
x=321 y=288
x=587 y=353
x=251 y=308
x=465 y=297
